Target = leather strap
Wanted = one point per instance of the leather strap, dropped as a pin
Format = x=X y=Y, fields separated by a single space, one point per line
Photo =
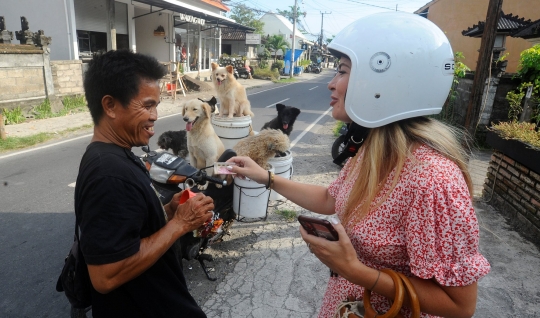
x=403 y=287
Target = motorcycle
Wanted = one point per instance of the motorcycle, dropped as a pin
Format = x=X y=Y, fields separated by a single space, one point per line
x=168 y=174
x=243 y=72
x=313 y=68
x=341 y=141
x=350 y=139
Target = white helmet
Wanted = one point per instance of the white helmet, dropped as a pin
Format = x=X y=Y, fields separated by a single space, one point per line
x=402 y=67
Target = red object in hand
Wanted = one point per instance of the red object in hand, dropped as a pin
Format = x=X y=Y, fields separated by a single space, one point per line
x=187 y=194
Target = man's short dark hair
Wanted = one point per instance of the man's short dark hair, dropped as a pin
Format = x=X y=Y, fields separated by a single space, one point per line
x=118 y=74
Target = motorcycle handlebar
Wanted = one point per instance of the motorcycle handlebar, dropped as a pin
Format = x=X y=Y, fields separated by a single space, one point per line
x=216 y=180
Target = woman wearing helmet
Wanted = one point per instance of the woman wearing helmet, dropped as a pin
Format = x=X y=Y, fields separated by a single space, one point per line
x=403 y=201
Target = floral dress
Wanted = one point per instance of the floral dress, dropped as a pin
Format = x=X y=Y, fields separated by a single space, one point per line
x=426 y=227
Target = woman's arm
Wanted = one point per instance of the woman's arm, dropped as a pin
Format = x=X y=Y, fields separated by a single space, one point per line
x=434 y=299
x=311 y=197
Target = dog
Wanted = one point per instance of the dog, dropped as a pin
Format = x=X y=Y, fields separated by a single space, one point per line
x=203 y=143
x=231 y=94
x=213 y=104
x=286 y=116
x=176 y=141
x=263 y=146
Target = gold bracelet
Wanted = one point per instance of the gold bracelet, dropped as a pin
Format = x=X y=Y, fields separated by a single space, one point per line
x=270 y=183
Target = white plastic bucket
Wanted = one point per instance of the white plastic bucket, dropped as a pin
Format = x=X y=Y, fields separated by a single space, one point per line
x=250 y=199
x=231 y=130
x=283 y=167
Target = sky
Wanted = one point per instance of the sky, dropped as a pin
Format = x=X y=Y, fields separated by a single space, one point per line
x=340 y=12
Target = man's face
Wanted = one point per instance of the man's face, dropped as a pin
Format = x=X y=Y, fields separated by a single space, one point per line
x=134 y=125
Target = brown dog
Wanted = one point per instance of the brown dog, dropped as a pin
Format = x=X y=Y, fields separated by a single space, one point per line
x=232 y=95
x=263 y=146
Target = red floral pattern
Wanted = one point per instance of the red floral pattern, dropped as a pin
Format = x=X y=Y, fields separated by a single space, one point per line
x=427 y=227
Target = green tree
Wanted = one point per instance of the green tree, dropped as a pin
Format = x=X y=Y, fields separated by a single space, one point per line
x=246 y=16
x=329 y=40
x=289 y=14
x=275 y=43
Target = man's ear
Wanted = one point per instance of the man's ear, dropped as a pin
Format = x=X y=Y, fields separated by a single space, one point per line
x=109 y=106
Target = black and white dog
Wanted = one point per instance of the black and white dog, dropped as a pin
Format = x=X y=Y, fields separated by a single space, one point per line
x=285 y=119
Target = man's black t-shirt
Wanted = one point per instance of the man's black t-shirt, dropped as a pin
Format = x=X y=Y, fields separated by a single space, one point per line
x=116 y=207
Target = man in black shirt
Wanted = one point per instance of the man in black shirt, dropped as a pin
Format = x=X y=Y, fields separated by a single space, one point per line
x=125 y=232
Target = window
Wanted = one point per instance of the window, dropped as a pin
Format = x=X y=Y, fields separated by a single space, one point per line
x=424 y=13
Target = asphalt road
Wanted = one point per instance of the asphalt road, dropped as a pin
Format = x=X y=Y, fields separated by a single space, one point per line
x=36 y=200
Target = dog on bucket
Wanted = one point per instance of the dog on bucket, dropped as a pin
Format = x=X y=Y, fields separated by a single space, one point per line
x=232 y=95
x=263 y=146
x=284 y=121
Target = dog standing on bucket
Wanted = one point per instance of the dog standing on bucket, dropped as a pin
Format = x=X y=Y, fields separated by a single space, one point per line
x=232 y=95
x=203 y=143
x=285 y=119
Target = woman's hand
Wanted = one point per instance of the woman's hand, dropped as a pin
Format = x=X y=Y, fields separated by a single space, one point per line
x=340 y=256
x=246 y=167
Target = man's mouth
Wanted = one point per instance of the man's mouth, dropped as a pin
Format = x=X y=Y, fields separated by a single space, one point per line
x=150 y=130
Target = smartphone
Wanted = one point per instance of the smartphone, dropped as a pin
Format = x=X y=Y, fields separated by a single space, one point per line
x=318 y=227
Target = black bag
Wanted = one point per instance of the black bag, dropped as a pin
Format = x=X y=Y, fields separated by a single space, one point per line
x=74 y=279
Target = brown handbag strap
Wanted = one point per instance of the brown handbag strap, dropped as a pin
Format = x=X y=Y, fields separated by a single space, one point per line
x=403 y=286
x=413 y=297
x=398 y=298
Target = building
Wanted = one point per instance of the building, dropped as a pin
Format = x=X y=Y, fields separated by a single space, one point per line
x=275 y=24
x=169 y=30
x=454 y=16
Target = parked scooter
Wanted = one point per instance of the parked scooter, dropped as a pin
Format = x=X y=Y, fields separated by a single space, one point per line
x=243 y=72
x=169 y=173
x=351 y=137
x=313 y=68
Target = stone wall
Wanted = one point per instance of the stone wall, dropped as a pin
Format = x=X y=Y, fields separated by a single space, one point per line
x=515 y=189
x=23 y=78
x=499 y=110
x=67 y=77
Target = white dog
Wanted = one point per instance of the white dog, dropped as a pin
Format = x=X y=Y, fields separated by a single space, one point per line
x=232 y=95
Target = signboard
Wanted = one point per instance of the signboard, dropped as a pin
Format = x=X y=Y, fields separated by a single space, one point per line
x=253 y=38
x=191 y=19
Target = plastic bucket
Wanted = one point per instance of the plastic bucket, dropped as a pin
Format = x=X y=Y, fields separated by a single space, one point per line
x=250 y=199
x=283 y=167
x=231 y=130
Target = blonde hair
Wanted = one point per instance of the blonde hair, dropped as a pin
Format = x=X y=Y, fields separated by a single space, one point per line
x=387 y=148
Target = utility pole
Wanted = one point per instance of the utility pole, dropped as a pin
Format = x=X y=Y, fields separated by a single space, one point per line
x=322 y=22
x=483 y=65
x=291 y=69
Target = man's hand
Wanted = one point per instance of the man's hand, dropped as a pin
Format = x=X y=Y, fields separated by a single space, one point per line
x=193 y=213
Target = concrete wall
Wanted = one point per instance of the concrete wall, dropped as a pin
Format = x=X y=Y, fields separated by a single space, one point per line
x=516 y=190
x=454 y=16
x=51 y=16
x=149 y=44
